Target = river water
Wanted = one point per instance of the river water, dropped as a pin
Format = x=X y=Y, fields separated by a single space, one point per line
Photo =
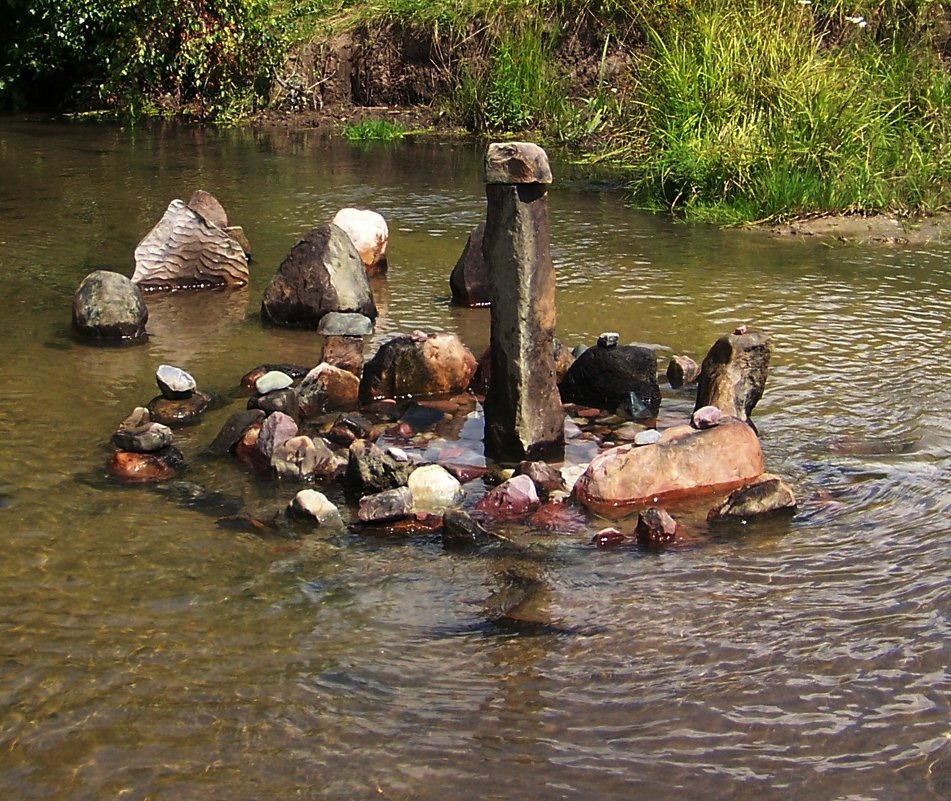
x=147 y=652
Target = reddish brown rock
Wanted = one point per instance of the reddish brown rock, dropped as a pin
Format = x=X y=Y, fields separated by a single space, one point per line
x=327 y=388
x=655 y=527
x=688 y=462
x=682 y=370
x=207 y=206
x=560 y=517
x=514 y=498
x=345 y=352
x=145 y=467
x=418 y=366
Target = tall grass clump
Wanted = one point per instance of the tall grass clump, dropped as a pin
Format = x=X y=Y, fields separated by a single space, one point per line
x=750 y=111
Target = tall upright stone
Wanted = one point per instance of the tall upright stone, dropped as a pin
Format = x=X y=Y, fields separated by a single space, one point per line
x=523 y=413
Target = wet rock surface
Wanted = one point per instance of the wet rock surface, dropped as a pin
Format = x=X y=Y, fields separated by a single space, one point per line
x=420 y=365
x=322 y=273
x=469 y=279
x=769 y=495
x=108 y=306
x=733 y=373
x=183 y=411
x=605 y=377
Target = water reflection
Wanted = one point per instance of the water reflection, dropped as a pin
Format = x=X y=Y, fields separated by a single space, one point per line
x=151 y=653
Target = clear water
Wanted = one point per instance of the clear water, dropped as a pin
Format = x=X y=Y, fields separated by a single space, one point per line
x=148 y=653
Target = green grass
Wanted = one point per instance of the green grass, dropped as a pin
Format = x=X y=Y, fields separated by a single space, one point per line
x=374 y=130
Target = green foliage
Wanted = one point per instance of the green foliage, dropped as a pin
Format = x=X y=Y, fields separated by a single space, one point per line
x=749 y=113
x=374 y=130
x=180 y=56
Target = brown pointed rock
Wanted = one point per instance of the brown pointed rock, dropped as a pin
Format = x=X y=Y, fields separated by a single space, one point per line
x=327 y=388
x=469 y=280
x=207 y=206
x=322 y=273
x=185 y=251
x=516 y=163
x=690 y=462
x=733 y=373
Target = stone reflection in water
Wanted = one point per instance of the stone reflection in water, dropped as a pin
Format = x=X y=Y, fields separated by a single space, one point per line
x=186 y=326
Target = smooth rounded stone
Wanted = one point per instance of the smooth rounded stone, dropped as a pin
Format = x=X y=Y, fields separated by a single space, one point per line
x=147 y=438
x=733 y=373
x=434 y=489
x=706 y=417
x=179 y=412
x=233 y=429
x=302 y=458
x=685 y=462
x=326 y=388
x=185 y=251
x=469 y=279
x=516 y=163
x=609 y=537
x=174 y=383
x=345 y=324
x=369 y=233
x=655 y=527
x=513 y=498
x=682 y=370
x=606 y=377
x=108 y=306
x=314 y=505
x=370 y=469
x=272 y=380
x=207 y=206
x=418 y=366
x=249 y=379
x=609 y=339
x=344 y=352
x=768 y=495
x=627 y=432
x=390 y=504
x=322 y=273
x=461 y=530
x=280 y=400
x=648 y=436
x=145 y=467
x=276 y=429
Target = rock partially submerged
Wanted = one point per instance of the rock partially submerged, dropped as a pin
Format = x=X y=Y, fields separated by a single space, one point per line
x=186 y=251
x=469 y=279
x=606 y=377
x=733 y=373
x=685 y=462
x=420 y=365
x=768 y=495
x=108 y=306
x=322 y=273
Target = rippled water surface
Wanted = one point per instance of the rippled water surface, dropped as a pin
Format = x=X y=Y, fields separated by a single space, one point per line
x=148 y=653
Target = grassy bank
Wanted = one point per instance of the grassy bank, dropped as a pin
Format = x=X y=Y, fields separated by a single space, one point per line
x=728 y=110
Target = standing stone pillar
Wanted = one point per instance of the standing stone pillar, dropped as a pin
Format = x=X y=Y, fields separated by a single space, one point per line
x=523 y=412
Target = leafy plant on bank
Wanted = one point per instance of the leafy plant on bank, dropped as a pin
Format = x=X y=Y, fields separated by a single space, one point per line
x=374 y=131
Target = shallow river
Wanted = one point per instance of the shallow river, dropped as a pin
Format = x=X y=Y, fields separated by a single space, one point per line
x=147 y=652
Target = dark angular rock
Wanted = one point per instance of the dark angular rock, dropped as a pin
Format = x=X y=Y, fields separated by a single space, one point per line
x=370 y=469
x=461 y=530
x=233 y=429
x=609 y=538
x=768 y=495
x=108 y=306
x=655 y=527
x=322 y=273
x=733 y=373
x=280 y=400
x=350 y=427
x=469 y=280
x=545 y=477
x=606 y=377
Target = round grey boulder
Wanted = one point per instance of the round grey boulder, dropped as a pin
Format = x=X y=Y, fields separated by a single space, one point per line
x=108 y=306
